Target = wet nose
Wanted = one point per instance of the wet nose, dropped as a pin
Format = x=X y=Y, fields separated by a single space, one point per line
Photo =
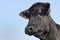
x=28 y=30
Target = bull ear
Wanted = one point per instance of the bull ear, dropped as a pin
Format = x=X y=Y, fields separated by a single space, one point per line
x=47 y=5
x=45 y=9
x=24 y=14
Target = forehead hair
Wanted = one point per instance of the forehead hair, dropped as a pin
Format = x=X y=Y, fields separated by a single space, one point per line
x=38 y=3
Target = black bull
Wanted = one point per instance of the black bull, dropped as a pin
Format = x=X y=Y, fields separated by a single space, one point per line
x=41 y=25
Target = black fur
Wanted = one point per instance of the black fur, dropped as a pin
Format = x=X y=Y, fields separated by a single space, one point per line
x=40 y=24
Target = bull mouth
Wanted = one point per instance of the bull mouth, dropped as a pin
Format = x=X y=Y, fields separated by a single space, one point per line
x=30 y=34
x=40 y=35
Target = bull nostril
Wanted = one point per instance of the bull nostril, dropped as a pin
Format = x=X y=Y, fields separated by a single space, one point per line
x=30 y=28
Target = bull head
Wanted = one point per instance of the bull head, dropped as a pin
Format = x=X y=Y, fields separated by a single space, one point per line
x=38 y=19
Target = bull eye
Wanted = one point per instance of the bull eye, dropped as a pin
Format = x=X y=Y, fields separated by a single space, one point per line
x=40 y=13
x=39 y=30
x=45 y=32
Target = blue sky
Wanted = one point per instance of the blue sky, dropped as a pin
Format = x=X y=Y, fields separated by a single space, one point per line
x=12 y=25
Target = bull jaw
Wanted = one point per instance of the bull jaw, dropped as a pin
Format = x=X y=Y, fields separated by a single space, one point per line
x=30 y=34
x=41 y=35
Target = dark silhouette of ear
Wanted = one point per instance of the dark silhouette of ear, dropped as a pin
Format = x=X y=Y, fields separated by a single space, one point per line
x=24 y=14
x=46 y=9
x=47 y=5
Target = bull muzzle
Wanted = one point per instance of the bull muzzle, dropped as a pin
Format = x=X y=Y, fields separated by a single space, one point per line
x=28 y=30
